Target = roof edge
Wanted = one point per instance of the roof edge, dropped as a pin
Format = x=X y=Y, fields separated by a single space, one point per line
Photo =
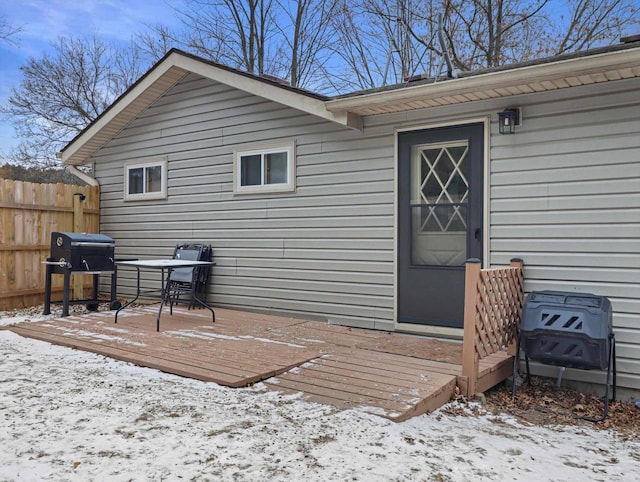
x=305 y=101
x=576 y=66
x=137 y=88
x=178 y=62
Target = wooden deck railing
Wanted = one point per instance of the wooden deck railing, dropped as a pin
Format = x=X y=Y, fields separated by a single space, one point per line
x=493 y=305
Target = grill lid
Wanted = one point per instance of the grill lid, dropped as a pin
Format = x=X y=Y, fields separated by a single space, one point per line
x=64 y=239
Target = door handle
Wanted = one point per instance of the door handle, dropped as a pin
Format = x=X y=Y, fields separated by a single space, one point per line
x=476 y=234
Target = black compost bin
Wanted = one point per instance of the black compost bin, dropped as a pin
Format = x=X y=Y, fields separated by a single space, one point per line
x=567 y=329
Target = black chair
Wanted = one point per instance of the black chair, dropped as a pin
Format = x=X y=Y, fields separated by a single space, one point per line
x=184 y=285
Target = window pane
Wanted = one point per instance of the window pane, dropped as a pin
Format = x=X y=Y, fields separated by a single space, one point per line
x=135 y=181
x=439 y=235
x=154 y=179
x=250 y=170
x=276 y=168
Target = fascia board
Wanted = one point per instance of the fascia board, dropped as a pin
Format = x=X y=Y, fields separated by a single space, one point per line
x=116 y=109
x=532 y=73
x=310 y=105
x=175 y=60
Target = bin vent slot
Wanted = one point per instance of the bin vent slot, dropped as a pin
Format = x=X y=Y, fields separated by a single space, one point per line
x=571 y=321
x=548 y=346
x=552 y=318
x=573 y=350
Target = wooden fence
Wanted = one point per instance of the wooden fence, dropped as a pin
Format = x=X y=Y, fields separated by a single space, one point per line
x=492 y=311
x=29 y=212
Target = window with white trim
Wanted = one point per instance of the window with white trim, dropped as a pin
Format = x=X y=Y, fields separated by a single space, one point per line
x=145 y=180
x=268 y=169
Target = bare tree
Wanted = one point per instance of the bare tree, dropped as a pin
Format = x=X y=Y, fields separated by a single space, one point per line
x=491 y=33
x=156 y=41
x=408 y=27
x=232 y=32
x=307 y=37
x=386 y=41
x=8 y=31
x=340 y=45
x=39 y=174
x=594 y=22
x=285 y=39
x=331 y=45
x=361 y=68
x=62 y=92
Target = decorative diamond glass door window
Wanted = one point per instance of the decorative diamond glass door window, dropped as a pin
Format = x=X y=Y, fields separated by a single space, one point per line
x=439 y=198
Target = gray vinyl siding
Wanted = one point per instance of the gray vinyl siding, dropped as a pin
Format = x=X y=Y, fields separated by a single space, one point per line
x=324 y=251
x=565 y=197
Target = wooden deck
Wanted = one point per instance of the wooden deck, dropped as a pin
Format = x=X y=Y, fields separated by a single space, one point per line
x=393 y=375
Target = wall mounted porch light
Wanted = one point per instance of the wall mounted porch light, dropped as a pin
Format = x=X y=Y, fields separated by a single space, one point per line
x=508 y=119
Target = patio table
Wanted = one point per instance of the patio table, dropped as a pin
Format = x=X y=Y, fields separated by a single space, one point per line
x=164 y=266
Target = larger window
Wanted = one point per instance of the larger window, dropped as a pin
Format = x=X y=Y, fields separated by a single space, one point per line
x=145 y=180
x=440 y=197
x=269 y=169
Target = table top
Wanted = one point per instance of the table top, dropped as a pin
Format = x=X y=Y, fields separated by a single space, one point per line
x=164 y=263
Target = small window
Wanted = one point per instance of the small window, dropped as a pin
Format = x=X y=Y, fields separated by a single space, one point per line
x=145 y=180
x=271 y=169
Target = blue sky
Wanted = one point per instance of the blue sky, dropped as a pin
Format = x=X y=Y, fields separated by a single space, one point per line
x=43 y=21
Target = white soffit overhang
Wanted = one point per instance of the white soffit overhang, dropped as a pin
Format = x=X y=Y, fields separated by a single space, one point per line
x=555 y=75
x=165 y=75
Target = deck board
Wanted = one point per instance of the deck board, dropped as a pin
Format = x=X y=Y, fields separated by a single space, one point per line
x=393 y=375
x=226 y=360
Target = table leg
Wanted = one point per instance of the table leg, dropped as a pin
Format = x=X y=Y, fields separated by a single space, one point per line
x=163 y=294
x=137 y=295
x=202 y=303
x=114 y=284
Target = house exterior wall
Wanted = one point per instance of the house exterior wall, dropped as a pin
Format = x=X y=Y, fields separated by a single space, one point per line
x=325 y=251
x=564 y=195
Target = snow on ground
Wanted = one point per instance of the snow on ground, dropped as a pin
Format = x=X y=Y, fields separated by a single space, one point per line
x=76 y=416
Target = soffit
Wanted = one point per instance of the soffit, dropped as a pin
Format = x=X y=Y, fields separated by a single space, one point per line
x=575 y=72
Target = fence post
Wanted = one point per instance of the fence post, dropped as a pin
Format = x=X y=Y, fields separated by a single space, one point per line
x=78 y=227
x=78 y=212
x=516 y=263
x=470 y=361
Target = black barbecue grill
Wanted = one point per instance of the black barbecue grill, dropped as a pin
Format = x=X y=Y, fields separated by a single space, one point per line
x=573 y=330
x=80 y=253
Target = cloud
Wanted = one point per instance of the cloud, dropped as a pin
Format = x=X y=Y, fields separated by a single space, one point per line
x=43 y=21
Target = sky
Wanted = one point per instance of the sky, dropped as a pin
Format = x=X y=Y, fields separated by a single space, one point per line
x=44 y=21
